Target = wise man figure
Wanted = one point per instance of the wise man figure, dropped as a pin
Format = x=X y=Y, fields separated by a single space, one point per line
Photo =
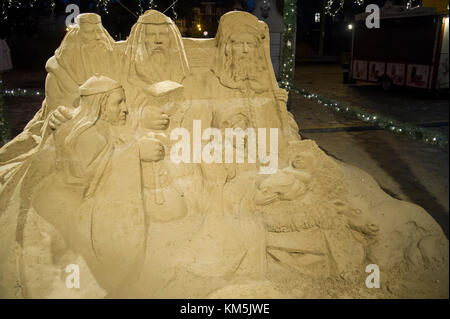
x=242 y=76
x=154 y=70
x=154 y=53
x=94 y=198
x=87 y=49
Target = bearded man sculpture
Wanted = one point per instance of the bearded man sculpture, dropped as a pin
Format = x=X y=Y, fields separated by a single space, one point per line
x=99 y=192
x=243 y=76
x=87 y=49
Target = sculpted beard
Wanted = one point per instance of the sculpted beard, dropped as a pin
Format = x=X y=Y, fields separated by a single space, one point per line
x=96 y=56
x=153 y=66
x=244 y=68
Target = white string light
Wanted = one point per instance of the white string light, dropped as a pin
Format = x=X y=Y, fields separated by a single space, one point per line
x=329 y=7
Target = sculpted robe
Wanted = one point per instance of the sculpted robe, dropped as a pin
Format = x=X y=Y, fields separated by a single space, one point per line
x=95 y=200
x=67 y=69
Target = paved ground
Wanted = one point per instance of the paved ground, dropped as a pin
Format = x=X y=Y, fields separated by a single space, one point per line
x=405 y=168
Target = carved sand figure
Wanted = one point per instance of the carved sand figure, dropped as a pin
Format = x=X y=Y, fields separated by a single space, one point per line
x=86 y=49
x=101 y=192
x=92 y=158
x=154 y=67
x=242 y=76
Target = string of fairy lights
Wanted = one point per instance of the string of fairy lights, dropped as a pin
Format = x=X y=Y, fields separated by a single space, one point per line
x=5 y=129
x=425 y=135
x=333 y=7
x=289 y=36
x=287 y=77
x=102 y=5
x=17 y=4
x=287 y=81
x=422 y=134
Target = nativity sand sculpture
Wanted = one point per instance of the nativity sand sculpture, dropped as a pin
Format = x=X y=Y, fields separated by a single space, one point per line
x=111 y=180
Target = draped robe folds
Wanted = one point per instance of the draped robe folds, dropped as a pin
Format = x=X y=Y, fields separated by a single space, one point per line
x=260 y=108
x=97 y=206
x=64 y=76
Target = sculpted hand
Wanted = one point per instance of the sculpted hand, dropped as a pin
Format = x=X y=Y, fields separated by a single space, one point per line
x=151 y=149
x=281 y=95
x=61 y=115
x=155 y=119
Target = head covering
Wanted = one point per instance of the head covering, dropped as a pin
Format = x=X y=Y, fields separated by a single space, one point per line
x=235 y=23
x=93 y=95
x=98 y=84
x=78 y=63
x=177 y=66
x=154 y=17
x=88 y=18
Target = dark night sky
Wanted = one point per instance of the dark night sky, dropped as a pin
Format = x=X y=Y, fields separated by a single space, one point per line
x=31 y=29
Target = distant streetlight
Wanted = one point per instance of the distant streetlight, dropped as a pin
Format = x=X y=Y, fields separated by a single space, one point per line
x=350 y=26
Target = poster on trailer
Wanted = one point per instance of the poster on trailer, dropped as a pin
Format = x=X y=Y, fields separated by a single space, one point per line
x=396 y=72
x=418 y=75
x=376 y=70
x=360 y=70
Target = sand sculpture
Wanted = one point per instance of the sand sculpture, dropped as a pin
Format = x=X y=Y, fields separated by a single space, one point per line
x=92 y=182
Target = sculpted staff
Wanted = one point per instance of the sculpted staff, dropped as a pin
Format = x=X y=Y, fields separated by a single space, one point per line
x=242 y=75
x=154 y=69
x=95 y=196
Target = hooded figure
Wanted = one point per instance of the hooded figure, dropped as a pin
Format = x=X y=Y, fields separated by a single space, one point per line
x=154 y=51
x=242 y=76
x=94 y=197
x=249 y=68
x=86 y=49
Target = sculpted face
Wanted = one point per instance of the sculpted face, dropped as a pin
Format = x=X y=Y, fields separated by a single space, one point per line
x=156 y=38
x=115 y=111
x=243 y=61
x=243 y=46
x=92 y=34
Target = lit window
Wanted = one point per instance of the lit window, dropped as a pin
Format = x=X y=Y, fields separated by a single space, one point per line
x=317 y=17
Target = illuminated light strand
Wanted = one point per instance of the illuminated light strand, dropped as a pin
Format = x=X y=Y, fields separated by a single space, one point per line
x=418 y=133
x=22 y=92
x=141 y=9
x=5 y=127
x=329 y=7
x=386 y=123
x=289 y=35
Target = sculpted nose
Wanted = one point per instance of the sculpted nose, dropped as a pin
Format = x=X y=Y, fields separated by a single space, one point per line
x=98 y=35
x=245 y=47
x=124 y=108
